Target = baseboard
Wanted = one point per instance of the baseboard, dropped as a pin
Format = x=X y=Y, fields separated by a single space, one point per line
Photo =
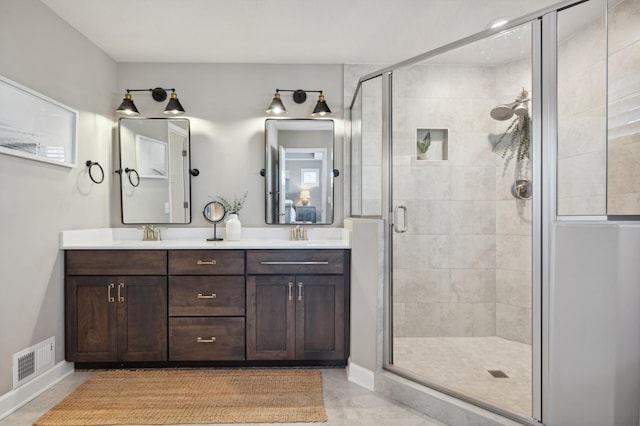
x=16 y=398
x=360 y=376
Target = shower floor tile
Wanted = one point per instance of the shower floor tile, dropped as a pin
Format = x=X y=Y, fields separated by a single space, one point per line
x=463 y=365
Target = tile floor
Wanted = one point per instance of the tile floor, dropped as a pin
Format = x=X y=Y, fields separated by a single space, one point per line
x=462 y=363
x=345 y=403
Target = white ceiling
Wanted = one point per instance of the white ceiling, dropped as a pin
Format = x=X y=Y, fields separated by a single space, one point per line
x=280 y=31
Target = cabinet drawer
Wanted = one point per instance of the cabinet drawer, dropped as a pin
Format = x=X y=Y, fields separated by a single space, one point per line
x=295 y=261
x=116 y=262
x=206 y=296
x=206 y=262
x=206 y=339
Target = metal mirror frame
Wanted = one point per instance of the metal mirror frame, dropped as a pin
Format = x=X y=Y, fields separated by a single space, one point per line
x=333 y=173
x=188 y=172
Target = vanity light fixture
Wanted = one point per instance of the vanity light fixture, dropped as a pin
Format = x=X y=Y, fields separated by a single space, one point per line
x=276 y=106
x=159 y=94
x=321 y=108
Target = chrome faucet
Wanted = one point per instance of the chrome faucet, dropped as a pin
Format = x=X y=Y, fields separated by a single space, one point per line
x=298 y=234
x=150 y=233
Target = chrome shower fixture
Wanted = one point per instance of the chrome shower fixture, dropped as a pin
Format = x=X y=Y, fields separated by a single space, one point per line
x=517 y=107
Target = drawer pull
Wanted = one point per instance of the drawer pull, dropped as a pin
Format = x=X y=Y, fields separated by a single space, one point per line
x=202 y=340
x=290 y=288
x=207 y=296
x=206 y=262
x=294 y=263
x=300 y=291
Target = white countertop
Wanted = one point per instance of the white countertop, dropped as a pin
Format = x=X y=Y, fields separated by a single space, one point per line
x=196 y=238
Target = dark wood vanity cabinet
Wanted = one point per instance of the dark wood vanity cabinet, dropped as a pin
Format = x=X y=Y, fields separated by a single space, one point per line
x=206 y=305
x=167 y=307
x=118 y=317
x=297 y=304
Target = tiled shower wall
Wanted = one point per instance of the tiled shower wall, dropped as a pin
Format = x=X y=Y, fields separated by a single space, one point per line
x=462 y=268
x=513 y=223
x=624 y=115
x=582 y=114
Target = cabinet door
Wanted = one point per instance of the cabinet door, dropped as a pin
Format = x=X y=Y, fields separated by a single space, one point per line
x=142 y=318
x=320 y=317
x=91 y=329
x=270 y=317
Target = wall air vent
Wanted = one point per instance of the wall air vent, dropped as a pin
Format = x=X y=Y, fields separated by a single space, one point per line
x=33 y=361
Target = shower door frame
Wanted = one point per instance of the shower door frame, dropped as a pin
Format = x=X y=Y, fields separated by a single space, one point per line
x=536 y=226
x=544 y=179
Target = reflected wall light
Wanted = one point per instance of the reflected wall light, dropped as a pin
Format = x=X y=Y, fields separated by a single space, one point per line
x=276 y=106
x=159 y=94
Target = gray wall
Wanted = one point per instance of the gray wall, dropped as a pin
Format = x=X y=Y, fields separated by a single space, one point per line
x=41 y=52
x=225 y=104
x=594 y=348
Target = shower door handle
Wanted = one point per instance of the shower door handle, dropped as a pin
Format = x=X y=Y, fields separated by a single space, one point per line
x=396 y=215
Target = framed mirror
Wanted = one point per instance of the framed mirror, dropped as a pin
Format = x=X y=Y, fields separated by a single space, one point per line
x=214 y=212
x=155 y=184
x=299 y=171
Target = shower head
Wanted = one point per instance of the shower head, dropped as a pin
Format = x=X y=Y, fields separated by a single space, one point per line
x=517 y=107
x=521 y=110
x=504 y=112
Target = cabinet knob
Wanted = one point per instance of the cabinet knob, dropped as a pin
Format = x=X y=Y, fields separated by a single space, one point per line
x=203 y=340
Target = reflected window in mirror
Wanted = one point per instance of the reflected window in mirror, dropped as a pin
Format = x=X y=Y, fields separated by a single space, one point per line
x=299 y=171
x=155 y=183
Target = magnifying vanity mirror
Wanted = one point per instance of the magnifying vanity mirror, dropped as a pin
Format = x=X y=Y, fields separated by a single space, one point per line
x=299 y=171
x=214 y=212
x=155 y=184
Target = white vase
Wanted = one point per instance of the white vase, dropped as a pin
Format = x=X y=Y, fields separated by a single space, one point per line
x=233 y=228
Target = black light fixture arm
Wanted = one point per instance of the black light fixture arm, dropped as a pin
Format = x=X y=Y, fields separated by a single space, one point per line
x=299 y=95
x=159 y=94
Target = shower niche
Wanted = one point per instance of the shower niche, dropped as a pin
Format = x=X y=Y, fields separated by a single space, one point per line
x=432 y=144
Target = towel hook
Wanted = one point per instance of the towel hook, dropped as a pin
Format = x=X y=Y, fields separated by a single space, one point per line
x=90 y=165
x=129 y=172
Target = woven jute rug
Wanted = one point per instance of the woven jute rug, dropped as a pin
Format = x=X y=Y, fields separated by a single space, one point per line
x=160 y=397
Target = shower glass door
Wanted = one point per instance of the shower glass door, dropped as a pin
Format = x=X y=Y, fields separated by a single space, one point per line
x=461 y=281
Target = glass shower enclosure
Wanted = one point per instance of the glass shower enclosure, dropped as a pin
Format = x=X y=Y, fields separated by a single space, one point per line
x=443 y=147
x=461 y=196
x=467 y=152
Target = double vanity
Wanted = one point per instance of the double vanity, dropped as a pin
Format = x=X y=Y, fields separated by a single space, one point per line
x=185 y=301
x=190 y=299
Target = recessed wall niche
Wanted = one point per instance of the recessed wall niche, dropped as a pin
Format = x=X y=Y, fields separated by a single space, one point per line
x=437 y=150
